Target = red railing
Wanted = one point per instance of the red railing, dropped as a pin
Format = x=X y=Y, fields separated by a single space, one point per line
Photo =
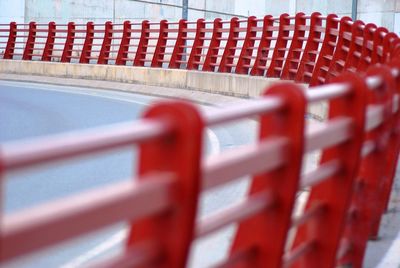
x=310 y=49
x=348 y=190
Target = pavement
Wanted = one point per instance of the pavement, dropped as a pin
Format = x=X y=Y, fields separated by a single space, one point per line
x=46 y=105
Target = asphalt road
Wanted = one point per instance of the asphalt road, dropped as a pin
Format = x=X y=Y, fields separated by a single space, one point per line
x=29 y=110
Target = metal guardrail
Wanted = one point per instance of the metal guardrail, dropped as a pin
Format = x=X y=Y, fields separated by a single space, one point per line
x=309 y=49
x=349 y=190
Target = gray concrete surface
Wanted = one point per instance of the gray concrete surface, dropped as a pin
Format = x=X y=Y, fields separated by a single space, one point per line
x=221 y=83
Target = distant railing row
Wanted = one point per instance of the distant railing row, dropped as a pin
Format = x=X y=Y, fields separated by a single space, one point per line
x=310 y=49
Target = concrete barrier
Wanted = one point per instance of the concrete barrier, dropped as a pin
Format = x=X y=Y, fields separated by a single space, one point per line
x=221 y=83
x=241 y=86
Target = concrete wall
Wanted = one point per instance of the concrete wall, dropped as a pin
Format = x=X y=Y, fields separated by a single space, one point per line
x=221 y=83
x=380 y=12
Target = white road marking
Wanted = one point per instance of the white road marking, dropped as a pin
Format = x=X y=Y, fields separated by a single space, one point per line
x=214 y=142
x=391 y=258
x=86 y=93
x=107 y=245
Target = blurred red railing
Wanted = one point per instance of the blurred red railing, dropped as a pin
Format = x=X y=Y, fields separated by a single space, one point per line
x=348 y=190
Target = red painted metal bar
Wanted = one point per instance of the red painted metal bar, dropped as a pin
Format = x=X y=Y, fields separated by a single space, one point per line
x=44 y=225
x=179 y=50
x=30 y=42
x=366 y=52
x=213 y=48
x=180 y=155
x=51 y=36
x=307 y=62
x=12 y=36
x=393 y=155
x=225 y=65
x=283 y=183
x=278 y=56
x=378 y=45
x=292 y=58
x=367 y=204
x=69 y=43
x=159 y=52
x=356 y=45
x=383 y=95
x=327 y=239
x=325 y=54
x=87 y=46
x=245 y=58
x=124 y=45
x=260 y=63
x=388 y=41
x=142 y=46
x=346 y=31
x=197 y=47
x=106 y=45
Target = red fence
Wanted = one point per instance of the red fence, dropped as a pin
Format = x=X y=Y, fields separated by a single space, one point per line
x=349 y=189
x=308 y=49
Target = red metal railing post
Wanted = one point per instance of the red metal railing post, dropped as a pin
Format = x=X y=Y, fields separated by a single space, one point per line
x=378 y=45
x=106 y=45
x=244 y=61
x=12 y=36
x=197 y=48
x=179 y=48
x=278 y=57
x=142 y=46
x=384 y=95
x=335 y=193
x=260 y=62
x=30 y=42
x=51 y=36
x=266 y=232
x=394 y=147
x=354 y=55
x=159 y=52
x=367 y=203
x=293 y=56
x=328 y=48
x=388 y=41
x=212 y=53
x=338 y=62
x=225 y=65
x=69 y=43
x=180 y=155
x=87 y=46
x=366 y=52
x=310 y=53
x=124 y=45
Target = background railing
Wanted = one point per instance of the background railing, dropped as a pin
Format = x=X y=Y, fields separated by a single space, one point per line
x=310 y=49
x=349 y=188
